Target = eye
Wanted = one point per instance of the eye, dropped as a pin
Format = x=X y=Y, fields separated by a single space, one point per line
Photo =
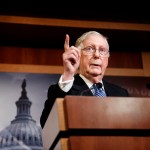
x=89 y=49
x=102 y=50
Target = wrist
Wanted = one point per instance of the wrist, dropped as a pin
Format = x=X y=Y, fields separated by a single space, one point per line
x=67 y=76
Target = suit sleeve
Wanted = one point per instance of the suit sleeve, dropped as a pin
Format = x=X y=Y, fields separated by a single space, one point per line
x=53 y=92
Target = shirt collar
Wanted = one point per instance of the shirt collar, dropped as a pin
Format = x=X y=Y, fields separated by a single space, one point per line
x=88 y=82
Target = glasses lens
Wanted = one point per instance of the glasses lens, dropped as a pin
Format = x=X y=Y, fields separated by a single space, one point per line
x=91 y=50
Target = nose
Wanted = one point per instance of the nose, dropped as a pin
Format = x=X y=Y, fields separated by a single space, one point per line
x=97 y=53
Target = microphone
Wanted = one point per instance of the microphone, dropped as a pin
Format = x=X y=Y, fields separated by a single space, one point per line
x=87 y=92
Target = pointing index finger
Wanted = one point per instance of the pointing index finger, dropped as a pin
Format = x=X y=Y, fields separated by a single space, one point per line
x=66 y=44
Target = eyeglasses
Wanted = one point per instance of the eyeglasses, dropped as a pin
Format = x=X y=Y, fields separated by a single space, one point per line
x=91 y=50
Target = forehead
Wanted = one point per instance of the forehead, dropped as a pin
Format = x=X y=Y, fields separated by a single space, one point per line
x=96 y=40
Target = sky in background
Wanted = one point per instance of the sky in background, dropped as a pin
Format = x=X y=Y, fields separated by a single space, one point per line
x=10 y=92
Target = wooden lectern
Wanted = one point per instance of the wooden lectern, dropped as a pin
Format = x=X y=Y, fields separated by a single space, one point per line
x=94 y=123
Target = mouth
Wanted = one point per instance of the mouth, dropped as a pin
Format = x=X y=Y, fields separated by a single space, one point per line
x=95 y=64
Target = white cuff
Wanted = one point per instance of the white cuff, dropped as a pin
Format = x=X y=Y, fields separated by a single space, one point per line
x=65 y=85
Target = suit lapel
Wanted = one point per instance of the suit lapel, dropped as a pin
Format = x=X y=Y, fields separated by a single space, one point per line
x=107 y=89
x=80 y=87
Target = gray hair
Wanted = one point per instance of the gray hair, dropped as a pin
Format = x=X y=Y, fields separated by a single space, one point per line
x=86 y=34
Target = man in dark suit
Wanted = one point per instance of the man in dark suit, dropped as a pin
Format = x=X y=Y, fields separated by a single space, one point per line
x=84 y=66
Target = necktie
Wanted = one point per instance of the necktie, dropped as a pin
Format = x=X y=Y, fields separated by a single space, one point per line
x=98 y=90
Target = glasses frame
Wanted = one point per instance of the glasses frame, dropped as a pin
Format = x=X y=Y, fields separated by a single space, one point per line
x=93 y=50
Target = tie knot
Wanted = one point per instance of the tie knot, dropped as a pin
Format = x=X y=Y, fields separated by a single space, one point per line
x=98 y=90
x=98 y=85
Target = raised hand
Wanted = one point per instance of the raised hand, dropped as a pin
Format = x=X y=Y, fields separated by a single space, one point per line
x=71 y=59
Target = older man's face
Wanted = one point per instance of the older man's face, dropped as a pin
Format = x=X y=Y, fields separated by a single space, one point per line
x=95 y=64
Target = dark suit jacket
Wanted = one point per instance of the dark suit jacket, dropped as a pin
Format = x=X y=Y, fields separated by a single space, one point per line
x=79 y=88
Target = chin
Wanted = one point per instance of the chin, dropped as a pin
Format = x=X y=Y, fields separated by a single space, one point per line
x=95 y=73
